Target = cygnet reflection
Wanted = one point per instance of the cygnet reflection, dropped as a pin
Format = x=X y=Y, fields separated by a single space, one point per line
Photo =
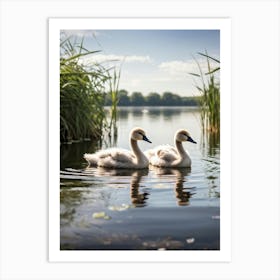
x=182 y=194
x=138 y=198
x=102 y=171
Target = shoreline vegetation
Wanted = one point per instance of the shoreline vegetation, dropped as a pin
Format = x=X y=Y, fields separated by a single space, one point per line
x=83 y=88
x=86 y=89
x=209 y=89
x=153 y=99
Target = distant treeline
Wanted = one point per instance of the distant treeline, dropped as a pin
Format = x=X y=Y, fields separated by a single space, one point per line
x=152 y=99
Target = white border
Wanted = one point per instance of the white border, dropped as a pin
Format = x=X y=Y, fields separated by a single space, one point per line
x=224 y=254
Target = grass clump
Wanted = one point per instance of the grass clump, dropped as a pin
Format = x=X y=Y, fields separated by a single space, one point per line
x=210 y=93
x=82 y=93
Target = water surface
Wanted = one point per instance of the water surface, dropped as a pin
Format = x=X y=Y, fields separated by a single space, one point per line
x=155 y=209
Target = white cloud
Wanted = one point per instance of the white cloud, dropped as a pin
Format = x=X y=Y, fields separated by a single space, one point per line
x=136 y=58
x=183 y=68
x=102 y=58
x=175 y=67
x=80 y=33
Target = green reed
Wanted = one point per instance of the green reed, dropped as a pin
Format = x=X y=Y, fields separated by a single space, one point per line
x=114 y=94
x=82 y=93
x=210 y=94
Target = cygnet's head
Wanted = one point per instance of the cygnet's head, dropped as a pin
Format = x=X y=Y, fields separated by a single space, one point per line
x=182 y=135
x=138 y=133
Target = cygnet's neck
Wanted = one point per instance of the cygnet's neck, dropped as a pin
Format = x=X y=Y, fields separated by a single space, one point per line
x=180 y=149
x=136 y=150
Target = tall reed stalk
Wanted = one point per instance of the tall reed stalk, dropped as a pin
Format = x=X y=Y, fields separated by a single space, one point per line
x=114 y=93
x=210 y=94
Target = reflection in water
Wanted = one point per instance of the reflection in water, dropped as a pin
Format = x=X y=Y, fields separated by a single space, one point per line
x=102 y=171
x=210 y=143
x=213 y=143
x=138 y=198
x=72 y=155
x=211 y=157
x=183 y=194
x=153 y=112
x=71 y=196
x=170 y=113
x=67 y=209
x=123 y=114
x=137 y=113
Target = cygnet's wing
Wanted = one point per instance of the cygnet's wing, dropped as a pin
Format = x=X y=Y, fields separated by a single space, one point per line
x=109 y=157
x=117 y=158
x=115 y=154
x=164 y=156
x=167 y=153
x=161 y=151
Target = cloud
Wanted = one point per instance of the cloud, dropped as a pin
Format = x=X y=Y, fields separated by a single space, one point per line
x=183 y=68
x=136 y=58
x=80 y=33
x=175 y=67
x=103 y=58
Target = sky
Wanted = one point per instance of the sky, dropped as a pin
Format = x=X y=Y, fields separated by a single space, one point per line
x=153 y=60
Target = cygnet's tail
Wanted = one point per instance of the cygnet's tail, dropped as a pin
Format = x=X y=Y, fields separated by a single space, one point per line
x=91 y=159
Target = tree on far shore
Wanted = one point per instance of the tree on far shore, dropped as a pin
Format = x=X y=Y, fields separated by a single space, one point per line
x=137 y=99
x=153 y=99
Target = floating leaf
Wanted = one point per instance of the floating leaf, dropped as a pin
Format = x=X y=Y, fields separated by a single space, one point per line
x=119 y=207
x=190 y=240
x=101 y=215
x=98 y=215
x=216 y=217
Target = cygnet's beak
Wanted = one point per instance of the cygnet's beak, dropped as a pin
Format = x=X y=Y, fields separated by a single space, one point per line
x=146 y=139
x=191 y=140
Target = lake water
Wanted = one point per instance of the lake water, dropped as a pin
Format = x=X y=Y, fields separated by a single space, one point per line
x=153 y=209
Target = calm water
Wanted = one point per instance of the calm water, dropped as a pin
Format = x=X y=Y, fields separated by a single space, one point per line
x=176 y=209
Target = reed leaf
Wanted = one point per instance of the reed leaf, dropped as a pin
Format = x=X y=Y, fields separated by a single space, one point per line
x=194 y=74
x=213 y=71
x=208 y=56
x=210 y=90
